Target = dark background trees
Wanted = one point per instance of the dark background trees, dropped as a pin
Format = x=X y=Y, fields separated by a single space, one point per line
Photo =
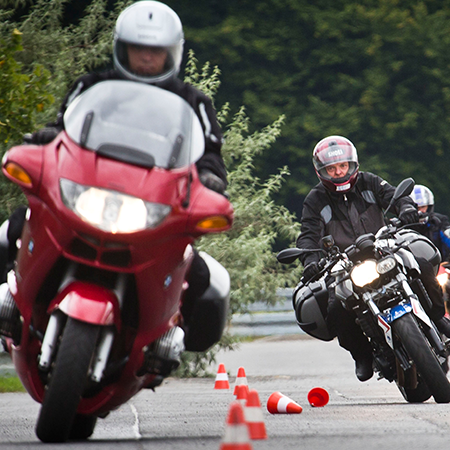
x=376 y=71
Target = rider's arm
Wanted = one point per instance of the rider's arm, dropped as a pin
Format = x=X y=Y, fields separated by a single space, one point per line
x=384 y=191
x=313 y=228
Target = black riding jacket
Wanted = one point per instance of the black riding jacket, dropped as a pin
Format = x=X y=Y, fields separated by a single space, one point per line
x=211 y=159
x=437 y=229
x=345 y=216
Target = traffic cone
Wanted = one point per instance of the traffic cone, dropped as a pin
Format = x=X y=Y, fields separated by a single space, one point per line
x=236 y=432
x=254 y=417
x=240 y=379
x=278 y=403
x=221 y=378
x=242 y=394
x=318 y=397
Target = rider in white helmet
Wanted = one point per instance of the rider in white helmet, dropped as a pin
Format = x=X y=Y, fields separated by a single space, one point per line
x=148 y=43
x=148 y=48
x=435 y=226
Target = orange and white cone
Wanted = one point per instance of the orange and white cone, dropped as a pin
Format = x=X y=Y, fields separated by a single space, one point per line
x=222 y=378
x=240 y=379
x=242 y=394
x=279 y=403
x=254 y=417
x=236 y=432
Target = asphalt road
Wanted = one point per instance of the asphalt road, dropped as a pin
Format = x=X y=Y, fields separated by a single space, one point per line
x=191 y=414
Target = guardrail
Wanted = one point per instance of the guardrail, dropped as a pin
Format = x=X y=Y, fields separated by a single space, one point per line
x=267 y=320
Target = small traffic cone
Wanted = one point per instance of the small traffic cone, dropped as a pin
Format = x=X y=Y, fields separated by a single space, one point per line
x=242 y=394
x=278 y=403
x=240 y=379
x=222 y=378
x=318 y=397
x=236 y=432
x=254 y=417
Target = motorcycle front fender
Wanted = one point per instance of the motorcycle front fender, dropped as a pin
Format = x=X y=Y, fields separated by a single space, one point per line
x=88 y=303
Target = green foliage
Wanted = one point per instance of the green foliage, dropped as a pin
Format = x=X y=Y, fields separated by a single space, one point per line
x=22 y=95
x=247 y=249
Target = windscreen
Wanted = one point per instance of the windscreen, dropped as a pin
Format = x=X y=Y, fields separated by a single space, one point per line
x=136 y=123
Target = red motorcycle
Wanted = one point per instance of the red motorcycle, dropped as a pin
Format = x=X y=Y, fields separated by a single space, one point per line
x=92 y=311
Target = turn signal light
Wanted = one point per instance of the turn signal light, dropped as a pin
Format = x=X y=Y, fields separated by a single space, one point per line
x=213 y=223
x=17 y=173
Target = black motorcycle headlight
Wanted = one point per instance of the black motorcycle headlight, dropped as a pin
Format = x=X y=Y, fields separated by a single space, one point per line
x=385 y=265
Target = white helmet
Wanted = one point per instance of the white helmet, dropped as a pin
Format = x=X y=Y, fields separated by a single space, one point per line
x=153 y=24
x=423 y=196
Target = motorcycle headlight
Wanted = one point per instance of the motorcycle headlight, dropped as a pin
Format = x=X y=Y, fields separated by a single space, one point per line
x=111 y=210
x=386 y=265
x=364 y=273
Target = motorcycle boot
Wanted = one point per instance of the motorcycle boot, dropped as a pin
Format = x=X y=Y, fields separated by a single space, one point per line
x=443 y=325
x=364 y=368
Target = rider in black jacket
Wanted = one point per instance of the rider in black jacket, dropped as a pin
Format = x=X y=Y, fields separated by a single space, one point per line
x=148 y=48
x=346 y=204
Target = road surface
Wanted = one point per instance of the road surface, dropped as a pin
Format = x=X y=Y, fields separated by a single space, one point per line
x=191 y=414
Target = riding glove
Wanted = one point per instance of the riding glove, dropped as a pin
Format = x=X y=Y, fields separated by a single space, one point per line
x=310 y=271
x=212 y=181
x=409 y=215
x=44 y=136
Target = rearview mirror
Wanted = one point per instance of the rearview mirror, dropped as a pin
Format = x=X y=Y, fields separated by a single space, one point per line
x=289 y=255
x=402 y=190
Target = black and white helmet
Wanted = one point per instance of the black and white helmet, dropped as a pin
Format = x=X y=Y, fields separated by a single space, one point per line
x=153 y=24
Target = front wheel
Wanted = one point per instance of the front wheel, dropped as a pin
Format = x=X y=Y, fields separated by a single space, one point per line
x=420 y=351
x=67 y=382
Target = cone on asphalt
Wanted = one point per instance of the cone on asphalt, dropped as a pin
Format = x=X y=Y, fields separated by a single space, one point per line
x=253 y=415
x=242 y=394
x=279 y=403
x=221 y=378
x=318 y=397
x=241 y=378
x=236 y=435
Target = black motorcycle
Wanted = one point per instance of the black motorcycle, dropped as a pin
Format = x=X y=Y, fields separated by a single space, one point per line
x=378 y=278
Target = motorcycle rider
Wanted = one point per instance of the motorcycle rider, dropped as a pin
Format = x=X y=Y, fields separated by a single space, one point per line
x=346 y=204
x=434 y=226
x=148 y=48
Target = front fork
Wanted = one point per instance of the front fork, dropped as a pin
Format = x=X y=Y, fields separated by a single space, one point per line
x=56 y=323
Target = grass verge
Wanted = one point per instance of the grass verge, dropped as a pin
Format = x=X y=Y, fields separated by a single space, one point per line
x=10 y=384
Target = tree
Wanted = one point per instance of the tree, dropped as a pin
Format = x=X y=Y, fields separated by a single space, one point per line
x=247 y=249
x=375 y=71
x=23 y=96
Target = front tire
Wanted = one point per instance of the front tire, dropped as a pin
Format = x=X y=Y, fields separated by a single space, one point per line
x=67 y=381
x=420 y=351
